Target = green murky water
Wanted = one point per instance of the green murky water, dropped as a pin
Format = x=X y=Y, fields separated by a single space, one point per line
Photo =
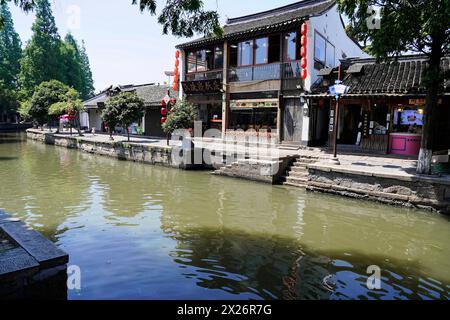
x=143 y=232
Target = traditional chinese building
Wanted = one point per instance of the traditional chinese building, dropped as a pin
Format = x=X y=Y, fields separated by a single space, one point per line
x=253 y=77
x=152 y=94
x=383 y=110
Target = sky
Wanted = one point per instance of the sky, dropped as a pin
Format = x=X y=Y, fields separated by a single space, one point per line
x=124 y=45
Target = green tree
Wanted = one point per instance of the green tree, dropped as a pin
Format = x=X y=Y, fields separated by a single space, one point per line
x=111 y=116
x=421 y=26
x=70 y=55
x=8 y=100
x=10 y=50
x=181 y=116
x=25 y=5
x=70 y=104
x=184 y=18
x=86 y=74
x=42 y=57
x=128 y=107
x=45 y=95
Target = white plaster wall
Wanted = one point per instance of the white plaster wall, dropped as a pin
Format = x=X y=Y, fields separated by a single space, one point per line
x=95 y=120
x=330 y=26
x=84 y=119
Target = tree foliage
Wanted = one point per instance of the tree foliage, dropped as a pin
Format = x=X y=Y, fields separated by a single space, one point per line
x=45 y=95
x=124 y=109
x=86 y=74
x=182 y=116
x=8 y=100
x=42 y=57
x=183 y=18
x=70 y=103
x=25 y=5
x=10 y=50
x=421 y=26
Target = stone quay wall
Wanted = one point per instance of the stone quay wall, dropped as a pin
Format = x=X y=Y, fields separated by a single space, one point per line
x=150 y=154
x=431 y=193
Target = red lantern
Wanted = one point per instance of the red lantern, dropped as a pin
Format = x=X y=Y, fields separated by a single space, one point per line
x=163 y=102
x=304 y=29
x=163 y=120
x=303 y=63
x=303 y=41
x=304 y=74
x=177 y=63
x=177 y=54
x=163 y=112
x=303 y=52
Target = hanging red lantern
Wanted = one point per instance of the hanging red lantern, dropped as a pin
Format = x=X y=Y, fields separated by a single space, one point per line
x=304 y=74
x=163 y=112
x=303 y=63
x=303 y=41
x=163 y=102
x=303 y=52
x=304 y=29
x=177 y=63
x=177 y=54
x=163 y=120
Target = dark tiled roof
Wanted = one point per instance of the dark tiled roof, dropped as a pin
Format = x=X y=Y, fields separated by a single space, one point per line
x=396 y=77
x=151 y=93
x=278 y=19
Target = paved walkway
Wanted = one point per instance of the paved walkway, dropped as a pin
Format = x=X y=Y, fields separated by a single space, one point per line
x=363 y=164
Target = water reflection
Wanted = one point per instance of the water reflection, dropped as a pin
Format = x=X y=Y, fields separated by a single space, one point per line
x=139 y=231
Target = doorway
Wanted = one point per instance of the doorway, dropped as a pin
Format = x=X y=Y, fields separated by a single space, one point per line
x=349 y=120
x=293 y=120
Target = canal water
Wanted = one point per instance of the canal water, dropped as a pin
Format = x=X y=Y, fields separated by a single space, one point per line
x=142 y=232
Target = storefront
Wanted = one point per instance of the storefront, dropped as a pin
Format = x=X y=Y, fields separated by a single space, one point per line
x=382 y=111
x=376 y=125
x=254 y=116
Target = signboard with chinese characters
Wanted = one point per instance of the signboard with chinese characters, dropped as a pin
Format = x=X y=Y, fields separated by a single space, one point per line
x=254 y=103
x=202 y=86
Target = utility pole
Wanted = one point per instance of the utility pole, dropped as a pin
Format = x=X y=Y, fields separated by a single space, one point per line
x=338 y=89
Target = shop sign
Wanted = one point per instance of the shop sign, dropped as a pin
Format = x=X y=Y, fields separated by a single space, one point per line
x=416 y=102
x=202 y=86
x=263 y=103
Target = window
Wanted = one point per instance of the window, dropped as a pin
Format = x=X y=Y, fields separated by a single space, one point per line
x=274 y=48
x=245 y=53
x=320 y=48
x=261 y=50
x=218 y=58
x=209 y=57
x=290 y=46
x=191 y=62
x=330 y=61
x=324 y=52
x=233 y=55
x=201 y=61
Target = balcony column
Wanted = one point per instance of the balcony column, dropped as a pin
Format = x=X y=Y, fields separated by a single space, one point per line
x=182 y=69
x=225 y=89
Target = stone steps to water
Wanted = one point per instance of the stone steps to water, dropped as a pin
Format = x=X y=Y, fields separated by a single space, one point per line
x=297 y=175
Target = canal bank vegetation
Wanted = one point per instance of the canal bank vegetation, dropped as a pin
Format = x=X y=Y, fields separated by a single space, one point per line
x=46 y=57
x=123 y=109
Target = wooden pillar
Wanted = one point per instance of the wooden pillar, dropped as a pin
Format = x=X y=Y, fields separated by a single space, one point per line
x=280 y=118
x=225 y=89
